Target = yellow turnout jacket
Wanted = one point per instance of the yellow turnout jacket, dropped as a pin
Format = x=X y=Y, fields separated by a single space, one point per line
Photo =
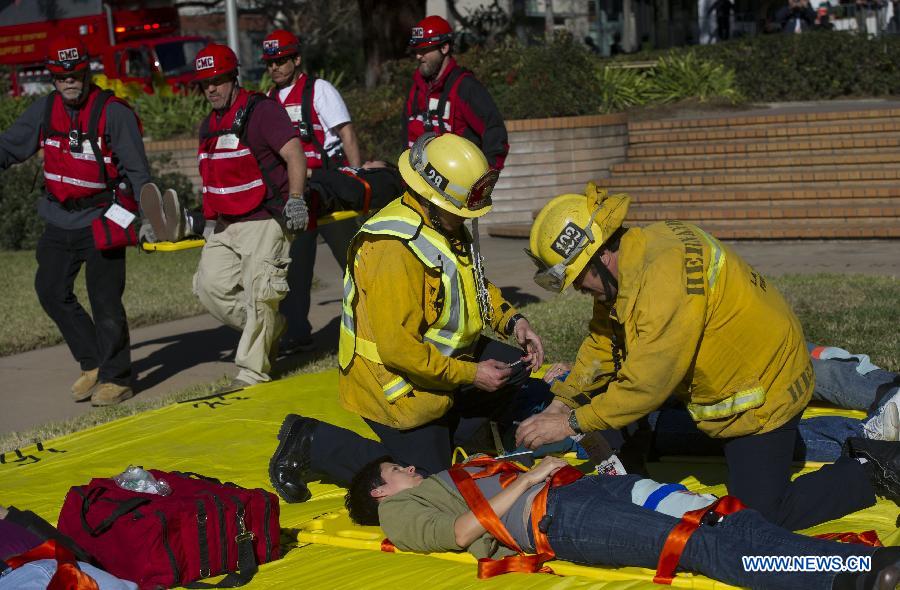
x=694 y=320
x=410 y=319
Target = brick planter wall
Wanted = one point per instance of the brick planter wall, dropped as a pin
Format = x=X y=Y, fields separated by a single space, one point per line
x=546 y=157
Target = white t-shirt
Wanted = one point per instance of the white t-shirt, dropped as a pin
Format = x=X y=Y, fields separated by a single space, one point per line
x=329 y=106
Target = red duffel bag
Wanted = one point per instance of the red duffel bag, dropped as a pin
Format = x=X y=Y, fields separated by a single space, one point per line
x=204 y=528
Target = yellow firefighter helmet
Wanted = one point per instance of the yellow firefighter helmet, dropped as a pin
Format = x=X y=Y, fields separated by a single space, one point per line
x=569 y=230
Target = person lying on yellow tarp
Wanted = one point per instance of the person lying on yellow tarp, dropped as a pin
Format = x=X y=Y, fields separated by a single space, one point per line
x=620 y=520
x=678 y=313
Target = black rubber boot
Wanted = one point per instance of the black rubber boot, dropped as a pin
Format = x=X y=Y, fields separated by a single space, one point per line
x=289 y=467
x=884 y=457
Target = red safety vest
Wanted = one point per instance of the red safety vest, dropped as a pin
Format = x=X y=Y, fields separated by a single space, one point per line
x=233 y=183
x=300 y=106
x=434 y=109
x=76 y=173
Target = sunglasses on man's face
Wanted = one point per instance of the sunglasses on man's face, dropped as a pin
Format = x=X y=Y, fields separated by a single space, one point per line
x=217 y=81
x=279 y=61
x=77 y=76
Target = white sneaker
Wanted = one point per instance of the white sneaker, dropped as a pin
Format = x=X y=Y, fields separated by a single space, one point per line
x=885 y=425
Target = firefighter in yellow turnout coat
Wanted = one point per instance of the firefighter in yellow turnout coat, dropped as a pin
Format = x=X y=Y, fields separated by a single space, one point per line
x=414 y=363
x=677 y=313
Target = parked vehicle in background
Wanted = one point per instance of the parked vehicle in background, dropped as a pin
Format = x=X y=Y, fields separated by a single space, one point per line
x=131 y=41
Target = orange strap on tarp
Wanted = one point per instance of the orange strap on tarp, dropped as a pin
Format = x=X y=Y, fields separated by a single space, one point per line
x=869 y=538
x=387 y=546
x=67 y=577
x=481 y=508
x=367 y=188
x=678 y=537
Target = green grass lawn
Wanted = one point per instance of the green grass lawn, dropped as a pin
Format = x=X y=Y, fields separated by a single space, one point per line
x=158 y=289
x=859 y=313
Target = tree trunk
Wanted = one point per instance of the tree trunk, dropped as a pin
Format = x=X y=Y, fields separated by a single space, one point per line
x=548 y=18
x=386 y=28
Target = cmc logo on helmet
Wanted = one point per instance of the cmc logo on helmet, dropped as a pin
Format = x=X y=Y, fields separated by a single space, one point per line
x=206 y=62
x=568 y=239
x=270 y=45
x=68 y=54
x=418 y=32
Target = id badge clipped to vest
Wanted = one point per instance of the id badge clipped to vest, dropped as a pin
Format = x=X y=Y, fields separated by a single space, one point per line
x=116 y=228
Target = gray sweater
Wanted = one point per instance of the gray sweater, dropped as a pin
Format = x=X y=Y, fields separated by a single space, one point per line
x=22 y=140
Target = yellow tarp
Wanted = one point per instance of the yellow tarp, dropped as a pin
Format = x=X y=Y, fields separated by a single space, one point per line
x=232 y=437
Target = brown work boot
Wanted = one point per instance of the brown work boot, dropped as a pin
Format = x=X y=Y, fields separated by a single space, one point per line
x=84 y=385
x=110 y=394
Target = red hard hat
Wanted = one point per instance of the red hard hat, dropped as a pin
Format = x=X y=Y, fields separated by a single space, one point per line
x=431 y=30
x=214 y=60
x=66 y=54
x=280 y=43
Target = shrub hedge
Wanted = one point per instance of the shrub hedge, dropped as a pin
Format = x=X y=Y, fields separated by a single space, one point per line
x=812 y=66
x=560 y=78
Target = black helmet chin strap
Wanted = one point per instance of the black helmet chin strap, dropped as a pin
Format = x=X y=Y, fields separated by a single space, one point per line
x=610 y=282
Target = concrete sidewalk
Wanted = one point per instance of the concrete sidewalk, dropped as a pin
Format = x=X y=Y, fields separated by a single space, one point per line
x=175 y=355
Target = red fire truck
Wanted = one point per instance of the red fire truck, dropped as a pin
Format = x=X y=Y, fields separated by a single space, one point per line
x=129 y=40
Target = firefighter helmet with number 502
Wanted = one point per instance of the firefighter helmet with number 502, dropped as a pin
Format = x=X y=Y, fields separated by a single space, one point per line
x=215 y=60
x=569 y=230
x=66 y=54
x=451 y=172
x=431 y=30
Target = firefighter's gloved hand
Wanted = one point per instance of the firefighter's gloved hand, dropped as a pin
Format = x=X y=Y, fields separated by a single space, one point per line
x=296 y=214
x=146 y=233
x=209 y=228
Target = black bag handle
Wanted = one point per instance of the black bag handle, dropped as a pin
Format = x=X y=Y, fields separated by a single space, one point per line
x=124 y=507
x=247 y=566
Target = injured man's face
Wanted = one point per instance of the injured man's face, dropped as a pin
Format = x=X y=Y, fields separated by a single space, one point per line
x=396 y=479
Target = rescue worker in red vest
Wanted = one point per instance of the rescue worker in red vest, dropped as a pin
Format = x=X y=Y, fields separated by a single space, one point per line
x=446 y=98
x=413 y=361
x=253 y=174
x=326 y=133
x=678 y=313
x=93 y=152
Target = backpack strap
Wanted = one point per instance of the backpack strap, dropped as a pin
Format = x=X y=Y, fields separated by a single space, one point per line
x=306 y=108
x=240 y=129
x=47 y=129
x=449 y=85
x=103 y=97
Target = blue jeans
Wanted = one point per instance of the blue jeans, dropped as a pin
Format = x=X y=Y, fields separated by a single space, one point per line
x=37 y=574
x=595 y=523
x=820 y=439
x=847 y=383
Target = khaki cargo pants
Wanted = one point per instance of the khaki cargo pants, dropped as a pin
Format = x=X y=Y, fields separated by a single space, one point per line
x=241 y=278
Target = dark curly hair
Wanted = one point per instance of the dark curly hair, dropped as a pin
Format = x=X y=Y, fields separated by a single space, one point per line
x=359 y=501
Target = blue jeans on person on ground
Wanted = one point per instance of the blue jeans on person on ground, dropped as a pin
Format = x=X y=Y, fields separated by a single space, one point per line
x=37 y=574
x=840 y=382
x=595 y=523
x=848 y=383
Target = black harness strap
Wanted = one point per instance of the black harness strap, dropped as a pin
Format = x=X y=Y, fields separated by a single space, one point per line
x=307 y=131
x=93 y=133
x=239 y=128
x=449 y=84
